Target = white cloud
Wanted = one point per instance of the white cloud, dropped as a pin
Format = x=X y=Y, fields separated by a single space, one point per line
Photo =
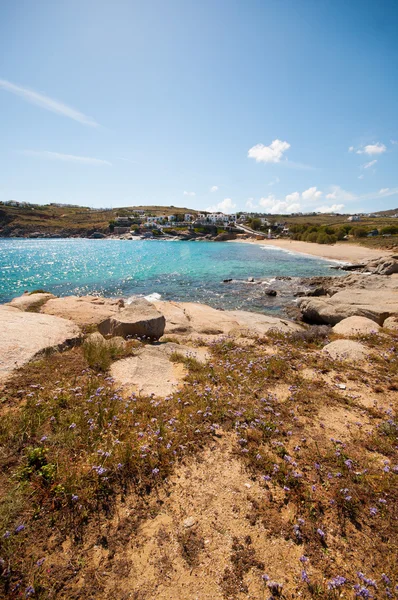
x=369 y=164
x=293 y=197
x=189 y=193
x=47 y=103
x=85 y=160
x=384 y=191
x=394 y=142
x=275 y=206
x=269 y=154
x=225 y=206
x=360 y=176
x=274 y=181
x=338 y=193
x=330 y=209
x=250 y=204
x=311 y=195
x=351 y=149
x=371 y=149
x=214 y=188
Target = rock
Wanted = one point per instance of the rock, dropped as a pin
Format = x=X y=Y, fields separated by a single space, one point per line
x=24 y=335
x=356 y=326
x=138 y=319
x=192 y=318
x=31 y=302
x=376 y=305
x=387 y=267
x=189 y=522
x=346 y=350
x=391 y=323
x=227 y=280
x=97 y=235
x=250 y=279
x=271 y=293
x=151 y=371
x=84 y=311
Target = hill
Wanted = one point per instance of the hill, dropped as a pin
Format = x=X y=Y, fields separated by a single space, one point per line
x=67 y=220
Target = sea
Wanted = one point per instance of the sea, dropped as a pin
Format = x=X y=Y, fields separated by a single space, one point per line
x=157 y=269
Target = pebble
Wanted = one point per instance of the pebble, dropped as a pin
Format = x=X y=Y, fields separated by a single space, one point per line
x=189 y=522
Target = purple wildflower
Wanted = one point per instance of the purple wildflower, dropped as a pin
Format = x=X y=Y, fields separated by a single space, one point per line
x=19 y=528
x=304 y=576
x=303 y=559
x=336 y=582
x=373 y=511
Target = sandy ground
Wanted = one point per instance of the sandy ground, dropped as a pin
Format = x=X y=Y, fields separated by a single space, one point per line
x=343 y=252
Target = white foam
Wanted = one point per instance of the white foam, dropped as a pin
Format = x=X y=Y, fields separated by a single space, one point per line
x=153 y=296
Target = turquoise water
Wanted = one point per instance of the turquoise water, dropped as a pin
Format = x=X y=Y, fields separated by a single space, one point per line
x=185 y=271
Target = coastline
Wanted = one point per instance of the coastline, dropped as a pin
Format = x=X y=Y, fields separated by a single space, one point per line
x=339 y=252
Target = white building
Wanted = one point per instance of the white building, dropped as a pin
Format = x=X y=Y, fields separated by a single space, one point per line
x=354 y=218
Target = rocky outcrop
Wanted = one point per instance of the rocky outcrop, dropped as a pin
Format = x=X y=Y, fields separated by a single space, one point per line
x=346 y=350
x=31 y=302
x=84 y=311
x=376 y=305
x=353 y=326
x=24 y=335
x=184 y=318
x=138 y=319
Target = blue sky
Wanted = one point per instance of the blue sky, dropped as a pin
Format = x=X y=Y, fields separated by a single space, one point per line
x=271 y=105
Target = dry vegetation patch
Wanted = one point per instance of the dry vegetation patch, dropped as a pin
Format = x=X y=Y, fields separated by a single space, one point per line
x=264 y=476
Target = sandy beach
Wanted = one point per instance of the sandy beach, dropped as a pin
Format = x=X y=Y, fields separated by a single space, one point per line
x=340 y=251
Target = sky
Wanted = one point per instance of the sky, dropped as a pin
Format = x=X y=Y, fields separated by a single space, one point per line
x=275 y=106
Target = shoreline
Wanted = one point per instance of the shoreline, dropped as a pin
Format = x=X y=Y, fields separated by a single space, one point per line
x=336 y=252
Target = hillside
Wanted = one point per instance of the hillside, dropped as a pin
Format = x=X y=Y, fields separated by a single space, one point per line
x=79 y=221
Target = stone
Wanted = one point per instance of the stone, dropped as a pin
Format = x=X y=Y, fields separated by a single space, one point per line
x=138 y=319
x=31 y=302
x=391 y=323
x=271 y=293
x=25 y=335
x=376 y=305
x=346 y=350
x=85 y=311
x=356 y=326
x=189 y=522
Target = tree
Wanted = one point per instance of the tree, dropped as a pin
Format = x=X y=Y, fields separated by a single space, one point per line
x=255 y=224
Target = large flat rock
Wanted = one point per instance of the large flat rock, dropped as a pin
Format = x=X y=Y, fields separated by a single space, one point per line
x=152 y=372
x=376 y=305
x=24 y=335
x=189 y=317
x=85 y=310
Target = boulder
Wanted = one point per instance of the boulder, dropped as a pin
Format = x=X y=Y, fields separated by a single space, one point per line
x=356 y=326
x=84 y=311
x=138 y=319
x=31 y=302
x=391 y=323
x=376 y=305
x=24 y=335
x=346 y=350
